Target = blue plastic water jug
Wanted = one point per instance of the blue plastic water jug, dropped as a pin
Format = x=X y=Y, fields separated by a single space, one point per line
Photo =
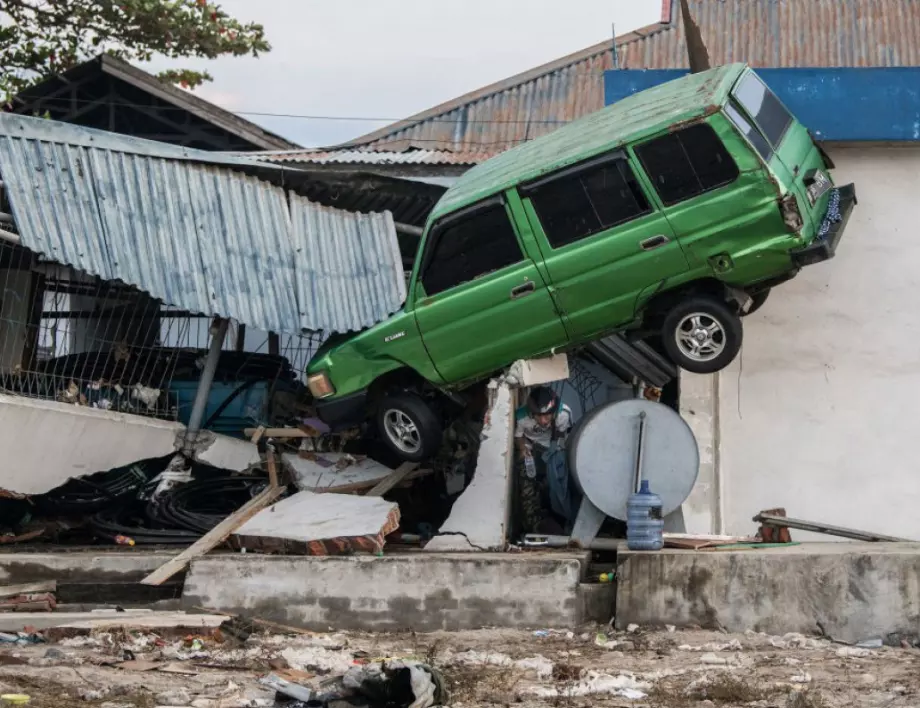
x=644 y=524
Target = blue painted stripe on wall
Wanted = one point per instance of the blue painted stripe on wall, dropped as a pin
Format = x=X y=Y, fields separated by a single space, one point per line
x=841 y=104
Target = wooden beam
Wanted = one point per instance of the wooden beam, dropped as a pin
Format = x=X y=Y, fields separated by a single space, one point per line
x=391 y=480
x=214 y=537
x=278 y=433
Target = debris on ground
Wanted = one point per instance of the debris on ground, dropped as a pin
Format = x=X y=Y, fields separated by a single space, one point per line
x=482 y=669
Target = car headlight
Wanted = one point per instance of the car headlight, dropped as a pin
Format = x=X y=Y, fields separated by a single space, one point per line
x=320 y=385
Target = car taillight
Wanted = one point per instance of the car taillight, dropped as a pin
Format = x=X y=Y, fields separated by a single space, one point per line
x=320 y=385
x=789 y=205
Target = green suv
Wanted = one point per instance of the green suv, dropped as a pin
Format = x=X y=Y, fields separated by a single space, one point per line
x=671 y=213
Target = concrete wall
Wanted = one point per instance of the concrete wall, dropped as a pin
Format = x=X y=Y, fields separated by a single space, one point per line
x=421 y=591
x=819 y=414
x=854 y=591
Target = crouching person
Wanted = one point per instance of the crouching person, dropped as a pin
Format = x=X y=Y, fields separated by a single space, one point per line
x=547 y=497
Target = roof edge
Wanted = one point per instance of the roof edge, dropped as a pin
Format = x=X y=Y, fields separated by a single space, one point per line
x=521 y=78
x=200 y=107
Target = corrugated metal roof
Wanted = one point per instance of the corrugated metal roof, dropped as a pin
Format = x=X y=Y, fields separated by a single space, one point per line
x=192 y=229
x=763 y=33
x=369 y=157
x=633 y=118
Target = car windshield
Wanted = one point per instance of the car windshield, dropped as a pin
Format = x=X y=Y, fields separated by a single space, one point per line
x=764 y=107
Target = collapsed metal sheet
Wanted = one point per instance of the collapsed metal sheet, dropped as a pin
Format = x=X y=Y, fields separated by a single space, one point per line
x=198 y=230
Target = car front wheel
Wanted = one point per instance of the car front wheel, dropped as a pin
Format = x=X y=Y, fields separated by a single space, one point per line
x=409 y=426
x=702 y=335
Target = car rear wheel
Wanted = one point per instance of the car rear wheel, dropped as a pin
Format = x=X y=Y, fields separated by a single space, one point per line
x=409 y=426
x=702 y=335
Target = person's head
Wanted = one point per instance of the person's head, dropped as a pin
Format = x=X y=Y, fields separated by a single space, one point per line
x=543 y=403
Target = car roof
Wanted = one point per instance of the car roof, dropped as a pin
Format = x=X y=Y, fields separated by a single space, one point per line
x=638 y=116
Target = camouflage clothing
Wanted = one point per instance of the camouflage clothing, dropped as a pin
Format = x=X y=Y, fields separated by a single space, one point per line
x=532 y=492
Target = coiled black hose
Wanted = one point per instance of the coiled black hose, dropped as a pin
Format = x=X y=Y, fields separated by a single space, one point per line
x=199 y=506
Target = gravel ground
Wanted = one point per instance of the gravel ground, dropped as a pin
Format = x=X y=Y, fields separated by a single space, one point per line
x=588 y=667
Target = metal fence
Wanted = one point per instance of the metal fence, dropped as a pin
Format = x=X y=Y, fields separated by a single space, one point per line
x=77 y=339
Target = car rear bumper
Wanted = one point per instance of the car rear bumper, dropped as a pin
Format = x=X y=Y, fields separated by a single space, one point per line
x=344 y=411
x=835 y=222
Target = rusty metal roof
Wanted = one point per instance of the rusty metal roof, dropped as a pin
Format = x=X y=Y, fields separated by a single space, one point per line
x=763 y=33
x=368 y=157
x=207 y=232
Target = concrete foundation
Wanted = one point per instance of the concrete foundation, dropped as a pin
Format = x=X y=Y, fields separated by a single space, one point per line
x=850 y=591
x=79 y=567
x=414 y=591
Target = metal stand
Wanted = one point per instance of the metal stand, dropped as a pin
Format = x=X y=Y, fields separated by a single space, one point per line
x=614 y=448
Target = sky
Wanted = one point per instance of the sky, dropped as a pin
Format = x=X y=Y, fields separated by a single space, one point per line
x=375 y=61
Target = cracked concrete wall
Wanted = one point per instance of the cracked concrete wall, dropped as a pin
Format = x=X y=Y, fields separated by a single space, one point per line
x=45 y=443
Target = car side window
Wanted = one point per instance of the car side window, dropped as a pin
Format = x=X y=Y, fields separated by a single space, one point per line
x=686 y=163
x=469 y=247
x=583 y=201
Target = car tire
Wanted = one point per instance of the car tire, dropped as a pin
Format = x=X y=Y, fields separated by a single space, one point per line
x=758 y=299
x=409 y=426
x=702 y=334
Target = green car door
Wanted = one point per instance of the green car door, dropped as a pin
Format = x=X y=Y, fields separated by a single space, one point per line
x=602 y=240
x=480 y=301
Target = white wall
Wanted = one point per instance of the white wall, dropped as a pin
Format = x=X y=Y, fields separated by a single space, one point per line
x=821 y=412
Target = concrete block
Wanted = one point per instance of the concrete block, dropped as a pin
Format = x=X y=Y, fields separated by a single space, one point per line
x=480 y=516
x=533 y=372
x=320 y=524
x=412 y=591
x=854 y=591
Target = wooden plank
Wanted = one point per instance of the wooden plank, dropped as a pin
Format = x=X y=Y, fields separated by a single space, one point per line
x=28 y=588
x=272 y=467
x=214 y=537
x=257 y=435
x=395 y=477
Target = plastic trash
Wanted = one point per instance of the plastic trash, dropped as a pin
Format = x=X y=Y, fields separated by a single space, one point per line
x=15 y=699
x=644 y=522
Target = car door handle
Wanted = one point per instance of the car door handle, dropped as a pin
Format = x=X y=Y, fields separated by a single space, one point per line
x=653 y=242
x=522 y=290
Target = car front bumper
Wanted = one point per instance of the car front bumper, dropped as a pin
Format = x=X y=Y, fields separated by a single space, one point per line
x=833 y=225
x=343 y=412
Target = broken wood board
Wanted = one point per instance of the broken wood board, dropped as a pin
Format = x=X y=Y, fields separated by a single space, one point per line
x=280 y=433
x=214 y=537
x=391 y=480
x=82 y=623
x=308 y=523
x=695 y=542
x=321 y=474
x=27 y=588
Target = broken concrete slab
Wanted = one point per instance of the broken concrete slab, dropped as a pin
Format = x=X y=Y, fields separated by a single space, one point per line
x=322 y=474
x=321 y=524
x=84 y=443
x=480 y=515
x=79 y=567
x=77 y=623
x=416 y=591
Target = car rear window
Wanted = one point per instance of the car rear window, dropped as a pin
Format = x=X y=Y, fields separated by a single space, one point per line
x=764 y=107
x=687 y=163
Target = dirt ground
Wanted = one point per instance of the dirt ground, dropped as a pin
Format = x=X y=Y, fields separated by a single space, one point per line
x=593 y=666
